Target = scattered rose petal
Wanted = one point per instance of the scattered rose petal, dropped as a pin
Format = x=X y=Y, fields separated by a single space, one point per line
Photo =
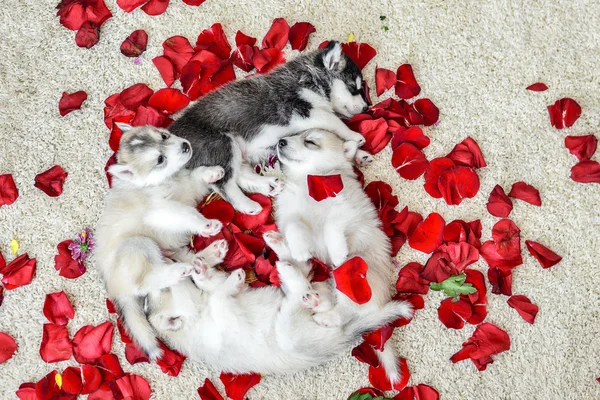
x=208 y=391
x=224 y=212
x=321 y=187
x=84 y=380
x=582 y=147
x=409 y=161
x=360 y=53
x=135 y=96
x=428 y=235
x=109 y=367
x=299 y=34
x=490 y=253
x=432 y=175
x=379 y=379
x=236 y=386
x=90 y=343
x=56 y=345
x=478 y=299
x=410 y=280
x=351 y=279
x=458 y=183
x=64 y=262
x=419 y=392
x=499 y=205
x=193 y=2
x=524 y=307
x=277 y=36
x=501 y=280
x=166 y=69
x=365 y=353
x=155 y=7
x=135 y=44
x=374 y=393
x=71 y=102
x=587 y=171
x=19 y=272
x=242 y=57
x=487 y=340
x=454 y=314
x=525 y=192
x=544 y=255
x=168 y=100
x=413 y=135
x=88 y=35
x=8 y=346
x=564 y=113
x=375 y=132
x=246 y=221
x=134 y=355
x=266 y=59
x=384 y=80
x=537 y=87
x=8 y=190
x=171 y=361
x=449 y=259
x=243 y=39
x=58 y=309
x=51 y=181
x=467 y=153
x=47 y=388
x=379 y=337
x=130 y=5
x=27 y=391
x=131 y=387
x=74 y=13
x=406 y=84
x=428 y=111
x=179 y=51
x=215 y=41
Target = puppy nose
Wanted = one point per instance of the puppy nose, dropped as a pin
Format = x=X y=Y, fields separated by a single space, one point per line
x=282 y=143
x=185 y=147
x=365 y=108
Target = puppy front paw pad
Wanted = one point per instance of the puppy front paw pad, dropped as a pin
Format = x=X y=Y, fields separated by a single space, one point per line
x=311 y=300
x=276 y=187
x=212 y=227
x=273 y=239
x=363 y=158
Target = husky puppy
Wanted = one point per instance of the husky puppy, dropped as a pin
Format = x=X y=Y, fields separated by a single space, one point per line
x=244 y=119
x=151 y=207
x=334 y=229
x=266 y=330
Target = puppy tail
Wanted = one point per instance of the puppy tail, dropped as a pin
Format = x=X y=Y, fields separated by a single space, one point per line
x=391 y=363
x=138 y=327
x=364 y=323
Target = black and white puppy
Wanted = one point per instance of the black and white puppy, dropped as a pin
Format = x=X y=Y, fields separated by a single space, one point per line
x=242 y=121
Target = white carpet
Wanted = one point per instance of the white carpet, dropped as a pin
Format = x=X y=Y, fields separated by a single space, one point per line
x=473 y=61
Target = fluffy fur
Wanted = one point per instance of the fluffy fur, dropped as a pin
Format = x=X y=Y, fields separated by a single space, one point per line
x=149 y=210
x=334 y=229
x=266 y=330
x=243 y=120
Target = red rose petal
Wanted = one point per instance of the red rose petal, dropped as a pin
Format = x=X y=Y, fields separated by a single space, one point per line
x=384 y=80
x=544 y=255
x=149 y=116
x=131 y=387
x=56 y=345
x=501 y=280
x=432 y=175
x=242 y=57
x=467 y=153
x=58 y=309
x=537 y=87
x=365 y=353
x=582 y=147
x=524 y=307
x=525 y=192
x=168 y=100
x=379 y=337
x=487 y=340
x=454 y=314
x=51 y=181
x=47 y=388
x=8 y=347
x=499 y=205
x=409 y=223
x=19 y=272
x=90 y=343
x=489 y=252
x=130 y=5
x=375 y=133
x=450 y=259
x=299 y=34
x=266 y=59
x=379 y=379
x=135 y=96
x=224 y=212
x=179 y=50
x=506 y=236
x=71 y=102
x=413 y=135
x=166 y=69
x=155 y=7
x=208 y=391
x=409 y=161
x=26 y=391
x=8 y=190
x=71 y=380
x=243 y=39
x=277 y=36
x=246 y=221
x=587 y=171
x=236 y=386
x=478 y=300
x=372 y=391
x=410 y=281
x=135 y=44
x=115 y=110
x=564 y=113
x=82 y=380
x=360 y=53
x=458 y=183
x=406 y=84
x=428 y=235
x=134 y=355
x=72 y=15
x=87 y=35
x=351 y=279
x=321 y=187
x=171 y=361
x=215 y=41
x=109 y=367
x=419 y=392
x=64 y=262
x=429 y=111
x=193 y=2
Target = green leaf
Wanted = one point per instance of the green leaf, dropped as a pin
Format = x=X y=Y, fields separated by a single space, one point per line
x=385 y=28
x=382 y=17
x=366 y=396
x=454 y=286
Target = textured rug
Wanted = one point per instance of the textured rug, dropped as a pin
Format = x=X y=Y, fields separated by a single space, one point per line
x=474 y=61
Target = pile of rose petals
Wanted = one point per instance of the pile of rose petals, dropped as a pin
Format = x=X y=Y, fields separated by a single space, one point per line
x=84 y=16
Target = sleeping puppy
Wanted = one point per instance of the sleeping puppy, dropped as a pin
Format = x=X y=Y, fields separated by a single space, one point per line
x=242 y=121
x=334 y=229
x=149 y=210
x=268 y=330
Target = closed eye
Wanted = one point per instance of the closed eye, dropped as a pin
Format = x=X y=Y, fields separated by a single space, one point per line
x=309 y=142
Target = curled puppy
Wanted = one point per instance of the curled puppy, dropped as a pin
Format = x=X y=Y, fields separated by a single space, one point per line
x=334 y=229
x=267 y=330
x=150 y=209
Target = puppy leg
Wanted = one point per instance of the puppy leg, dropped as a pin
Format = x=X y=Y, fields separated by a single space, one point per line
x=321 y=292
x=252 y=182
x=206 y=175
x=299 y=240
x=232 y=193
x=234 y=283
x=323 y=119
x=276 y=242
x=164 y=275
x=362 y=158
x=336 y=243
x=174 y=217
x=293 y=282
x=212 y=255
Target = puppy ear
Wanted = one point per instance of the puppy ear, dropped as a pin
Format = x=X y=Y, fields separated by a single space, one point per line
x=350 y=149
x=122 y=171
x=332 y=56
x=123 y=126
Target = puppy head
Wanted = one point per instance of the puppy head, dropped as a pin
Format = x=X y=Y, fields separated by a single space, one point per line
x=315 y=151
x=347 y=81
x=148 y=156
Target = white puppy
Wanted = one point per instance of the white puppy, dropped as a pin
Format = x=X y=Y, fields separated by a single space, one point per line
x=334 y=229
x=266 y=330
x=150 y=210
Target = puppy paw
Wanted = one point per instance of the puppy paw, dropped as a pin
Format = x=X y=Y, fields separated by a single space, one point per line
x=250 y=207
x=273 y=239
x=211 y=228
x=235 y=281
x=357 y=137
x=327 y=319
x=184 y=270
x=209 y=174
x=300 y=253
x=276 y=186
x=362 y=158
x=200 y=268
x=311 y=300
x=213 y=254
x=155 y=353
